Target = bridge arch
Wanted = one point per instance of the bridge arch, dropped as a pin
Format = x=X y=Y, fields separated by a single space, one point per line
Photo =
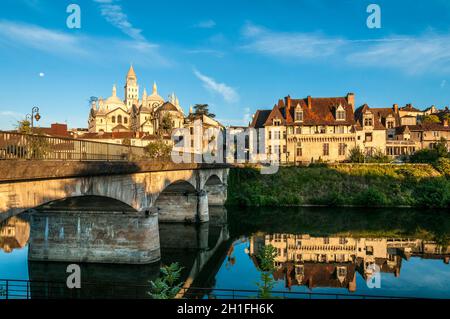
x=216 y=190
x=177 y=202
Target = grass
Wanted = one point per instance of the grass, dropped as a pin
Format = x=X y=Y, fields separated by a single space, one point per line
x=375 y=185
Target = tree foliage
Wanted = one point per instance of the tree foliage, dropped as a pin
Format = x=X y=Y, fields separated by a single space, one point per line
x=158 y=149
x=356 y=155
x=167 y=285
x=266 y=258
x=203 y=109
x=431 y=119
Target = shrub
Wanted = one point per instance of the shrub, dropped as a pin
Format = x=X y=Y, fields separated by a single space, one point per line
x=356 y=155
x=371 y=198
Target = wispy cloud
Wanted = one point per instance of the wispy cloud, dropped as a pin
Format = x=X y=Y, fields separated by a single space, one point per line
x=290 y=45
x=112 y=11
x=40 y=38
x=68 y=45
x=228 y=93
x=206 y=24
x=428 y=52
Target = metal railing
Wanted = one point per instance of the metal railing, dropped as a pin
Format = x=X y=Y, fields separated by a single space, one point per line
x=27 y=289
x=14 y=146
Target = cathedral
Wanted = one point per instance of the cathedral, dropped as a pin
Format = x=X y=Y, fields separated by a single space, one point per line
x=149 y=114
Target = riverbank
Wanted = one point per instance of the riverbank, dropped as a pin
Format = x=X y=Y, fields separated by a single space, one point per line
x=374 y=185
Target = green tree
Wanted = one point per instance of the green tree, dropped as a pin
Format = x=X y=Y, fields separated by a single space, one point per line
x=167 y=286
x=356 y=155
x=431 y=119
x=167 y=124
x=203 y=109
x=266 y=258
x=158 y=149
x=24 y=127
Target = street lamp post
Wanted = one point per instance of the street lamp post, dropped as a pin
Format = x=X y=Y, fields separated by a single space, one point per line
x=35 y=115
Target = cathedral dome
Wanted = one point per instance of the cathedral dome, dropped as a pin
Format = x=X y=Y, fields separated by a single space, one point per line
x=114 y=101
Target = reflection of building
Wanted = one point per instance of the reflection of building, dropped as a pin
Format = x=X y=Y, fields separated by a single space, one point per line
x=334 y=261
x=14 y=234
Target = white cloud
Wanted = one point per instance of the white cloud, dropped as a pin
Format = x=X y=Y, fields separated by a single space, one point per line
x=428 y=52
x=68 y=45
x=290 y=45
x=113 y=13
x=227 y=92
x=40 y=38
x=207 y=24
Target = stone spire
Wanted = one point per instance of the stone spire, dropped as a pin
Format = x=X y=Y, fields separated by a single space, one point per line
x=191 y=111
x=144 y=95
x=114 y=90
x=155 y=89
x=131 y=72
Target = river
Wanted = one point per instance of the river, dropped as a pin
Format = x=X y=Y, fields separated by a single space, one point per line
x=323 y=251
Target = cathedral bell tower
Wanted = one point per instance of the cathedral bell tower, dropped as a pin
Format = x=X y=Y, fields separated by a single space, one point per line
x=131 y=89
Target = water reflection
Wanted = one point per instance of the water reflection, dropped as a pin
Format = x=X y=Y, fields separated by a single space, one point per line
x=14 y=234
x=318 y=250
x=332 y=262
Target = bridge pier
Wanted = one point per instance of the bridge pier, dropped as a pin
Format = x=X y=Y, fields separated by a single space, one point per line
x=202 y=207
x=94 y=237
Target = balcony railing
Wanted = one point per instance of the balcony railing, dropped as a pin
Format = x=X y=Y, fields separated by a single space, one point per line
x=16 y=146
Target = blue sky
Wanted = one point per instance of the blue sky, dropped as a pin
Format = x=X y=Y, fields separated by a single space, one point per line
x=236 y=55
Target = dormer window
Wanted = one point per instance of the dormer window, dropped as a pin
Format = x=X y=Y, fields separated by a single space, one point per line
x=340 y=113
x=298 y=116
x=276 y=122
x=368 y=119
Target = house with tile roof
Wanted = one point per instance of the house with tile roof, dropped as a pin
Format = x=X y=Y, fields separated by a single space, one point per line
x=318 y=129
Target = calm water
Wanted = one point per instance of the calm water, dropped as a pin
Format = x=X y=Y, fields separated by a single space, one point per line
x=318 y=250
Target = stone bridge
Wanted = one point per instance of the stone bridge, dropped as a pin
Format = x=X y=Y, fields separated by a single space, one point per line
x=178 y=192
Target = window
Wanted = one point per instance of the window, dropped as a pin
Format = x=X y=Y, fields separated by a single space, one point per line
x=125 y=120
x=368 y=121
x=270 y=135
x=369 y=250
x=113 y=119
x=299 y=115
x=299 y=151
x=342 y=148
x=119 y=119
x=298 y=130
x=276 y=135
x=342 y=271
x=276 y=149
x=368 y=137
x=326 y=149
x=390 y=124
x=340 y=115
x=284 y=149
x=276 y=122
x=340 y=129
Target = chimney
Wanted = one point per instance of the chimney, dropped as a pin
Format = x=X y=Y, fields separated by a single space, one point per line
x=395 y=108
x=288 y=101
x=309 y=102
x=351 y=100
